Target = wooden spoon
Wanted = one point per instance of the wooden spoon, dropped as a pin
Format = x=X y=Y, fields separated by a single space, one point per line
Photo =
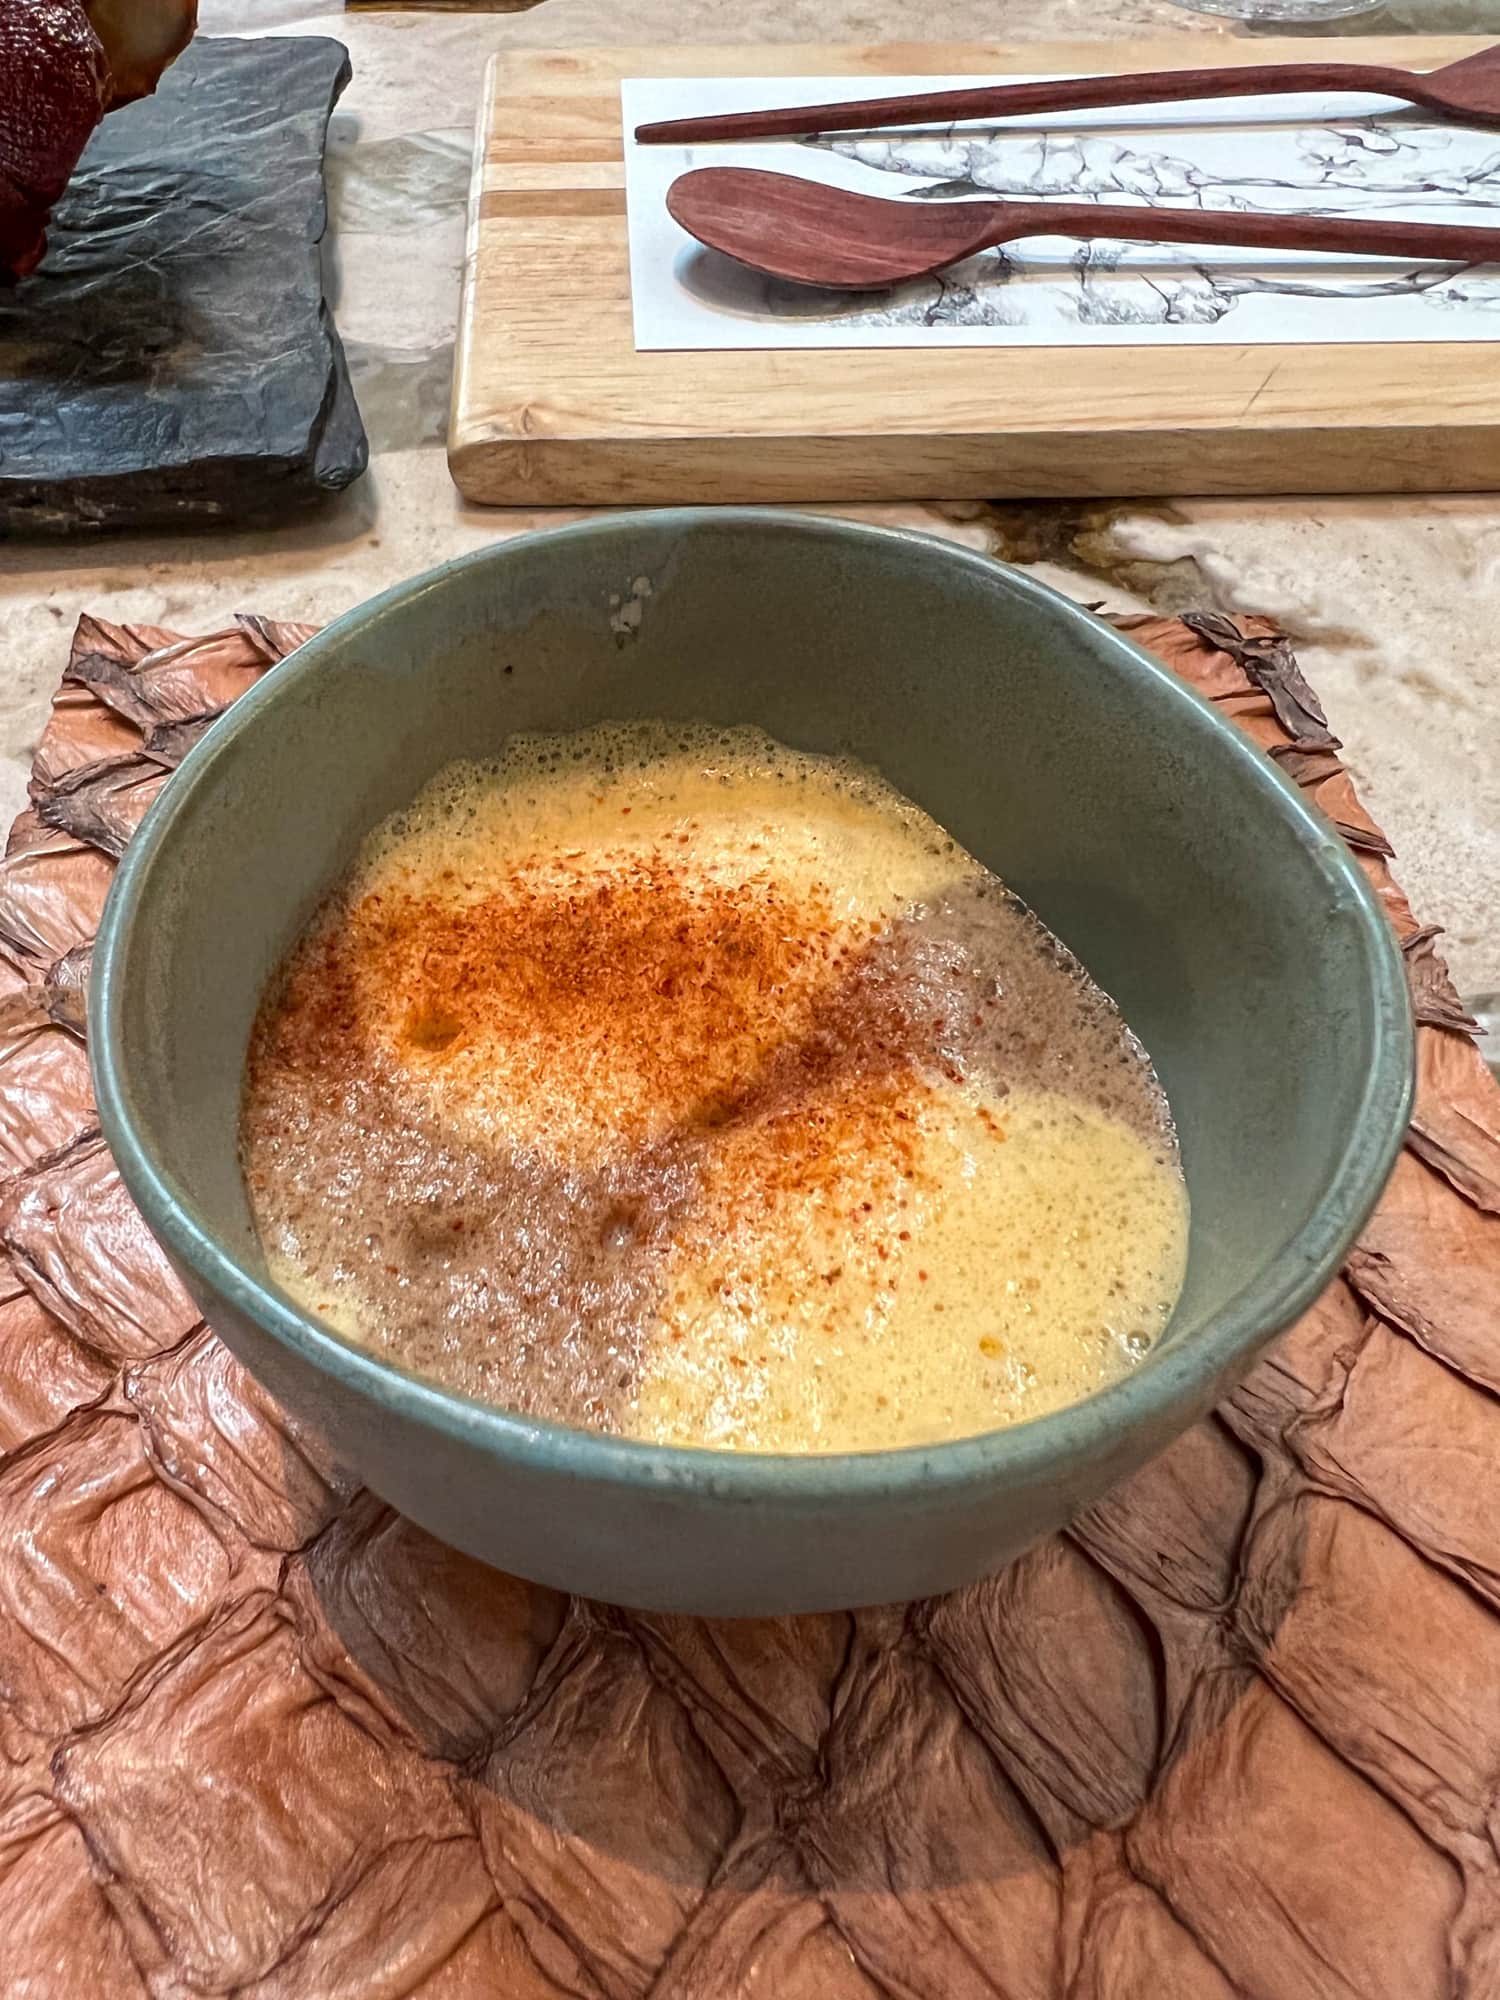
x=819 y=235
x=1467 y=90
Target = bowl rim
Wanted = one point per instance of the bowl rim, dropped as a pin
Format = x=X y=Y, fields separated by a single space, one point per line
x=1191 y=1371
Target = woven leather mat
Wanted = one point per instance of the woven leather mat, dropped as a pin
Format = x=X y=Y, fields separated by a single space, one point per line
x=1237 y=1733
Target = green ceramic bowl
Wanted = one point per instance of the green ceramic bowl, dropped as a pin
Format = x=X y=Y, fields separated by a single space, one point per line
x=1226 y=918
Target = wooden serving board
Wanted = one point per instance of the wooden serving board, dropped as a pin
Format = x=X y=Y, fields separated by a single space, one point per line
x=552 y=405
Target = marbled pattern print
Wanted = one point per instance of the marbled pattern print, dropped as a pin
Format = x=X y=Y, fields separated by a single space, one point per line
x=1392 y=166
x=1337 y=155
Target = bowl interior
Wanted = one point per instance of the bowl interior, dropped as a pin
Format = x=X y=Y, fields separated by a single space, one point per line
x=1227 y=921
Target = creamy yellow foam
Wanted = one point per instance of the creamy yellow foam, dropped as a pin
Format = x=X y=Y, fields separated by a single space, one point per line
x=724 y=1066
x=1019 y=1263
x=729 y=813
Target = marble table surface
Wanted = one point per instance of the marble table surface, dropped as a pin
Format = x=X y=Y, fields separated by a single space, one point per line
x=1394 y=604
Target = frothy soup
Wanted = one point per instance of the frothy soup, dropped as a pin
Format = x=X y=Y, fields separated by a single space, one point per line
x=675 y=1084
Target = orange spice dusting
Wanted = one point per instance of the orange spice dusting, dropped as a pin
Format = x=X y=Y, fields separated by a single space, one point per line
x=629 y=995
x=757 y=1059
x=787 y=1156
x=605 y=1001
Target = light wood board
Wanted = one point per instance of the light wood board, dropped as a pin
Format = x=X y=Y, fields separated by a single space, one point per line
x=553 y=406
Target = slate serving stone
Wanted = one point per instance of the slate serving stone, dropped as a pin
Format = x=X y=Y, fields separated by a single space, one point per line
x=174 y=359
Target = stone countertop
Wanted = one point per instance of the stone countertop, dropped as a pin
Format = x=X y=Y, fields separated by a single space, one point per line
x=1394 y=604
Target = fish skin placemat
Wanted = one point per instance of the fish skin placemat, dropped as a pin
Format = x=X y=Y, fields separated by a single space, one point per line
x=1237 y=1733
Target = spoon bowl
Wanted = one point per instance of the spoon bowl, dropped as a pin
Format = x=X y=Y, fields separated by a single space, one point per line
x=812 y=234
x=1468 y=89
x=816 y=235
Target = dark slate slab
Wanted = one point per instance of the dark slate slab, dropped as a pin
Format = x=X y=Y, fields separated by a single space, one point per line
x=173 y=359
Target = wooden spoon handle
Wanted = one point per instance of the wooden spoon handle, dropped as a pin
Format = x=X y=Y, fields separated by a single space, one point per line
x=1087 y=220
x=1077 y=93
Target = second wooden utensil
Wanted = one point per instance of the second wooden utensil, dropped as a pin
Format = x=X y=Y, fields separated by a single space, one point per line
x=814 y=234
x=1467 y=91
